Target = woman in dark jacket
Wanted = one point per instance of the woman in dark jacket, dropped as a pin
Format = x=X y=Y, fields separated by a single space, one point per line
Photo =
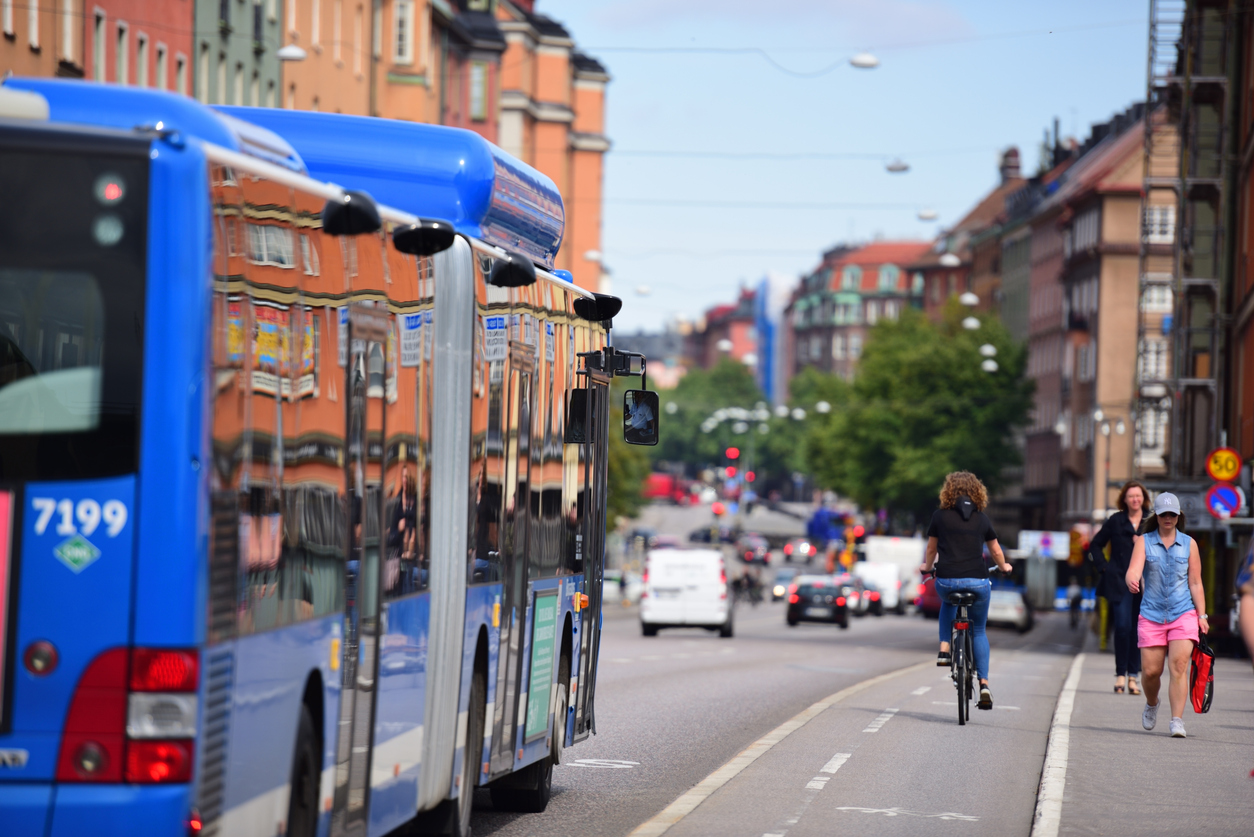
x=1120 y=532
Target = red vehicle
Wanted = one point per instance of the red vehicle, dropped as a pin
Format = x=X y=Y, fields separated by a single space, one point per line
x=668 y=488
x=929 y=601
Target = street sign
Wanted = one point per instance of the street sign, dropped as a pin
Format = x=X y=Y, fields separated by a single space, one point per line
x=1223 y=464
x=1222 y=500
x=1046 y=544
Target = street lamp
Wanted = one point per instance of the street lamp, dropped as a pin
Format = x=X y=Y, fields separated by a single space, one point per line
x=970 y=323
x=291 y=52
x=864 y=61
x=1105 y=425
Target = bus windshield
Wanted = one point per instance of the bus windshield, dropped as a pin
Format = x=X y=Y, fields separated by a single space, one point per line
x=72 y=245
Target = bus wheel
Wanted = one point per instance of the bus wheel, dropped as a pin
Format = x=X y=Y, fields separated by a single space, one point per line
x=472 y=754
x=529 y=789
x=560 y=708
x=302 y=806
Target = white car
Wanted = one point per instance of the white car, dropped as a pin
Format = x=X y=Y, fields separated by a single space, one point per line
x=1006 y=607
x=884 y=577
x=685 y=588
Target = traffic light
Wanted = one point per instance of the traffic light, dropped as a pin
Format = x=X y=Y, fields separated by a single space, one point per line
x=858 y=531
x=717 y=508
x=730 y=471
x=750 y=476
x=733 y=453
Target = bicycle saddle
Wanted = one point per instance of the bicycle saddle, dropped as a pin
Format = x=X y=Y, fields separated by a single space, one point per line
x=961 y=597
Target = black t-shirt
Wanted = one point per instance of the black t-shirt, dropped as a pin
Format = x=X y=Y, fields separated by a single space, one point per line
x=960 y=542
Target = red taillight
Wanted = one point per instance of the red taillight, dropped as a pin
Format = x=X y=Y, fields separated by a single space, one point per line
x=163 y=670
x=788 y=549
x=156 y=762
x=794 y=599
x=961 y=626
x=748 y=554
x=95 y=746
x=95 y=727
x=840 y=601
x=875 y=597
x=194 y=822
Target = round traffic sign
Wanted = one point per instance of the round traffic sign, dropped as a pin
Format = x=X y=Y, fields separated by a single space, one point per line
x=1222 y=500
x=1223 y=464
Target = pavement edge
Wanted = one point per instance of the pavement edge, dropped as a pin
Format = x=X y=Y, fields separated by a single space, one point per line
x=1048 y=815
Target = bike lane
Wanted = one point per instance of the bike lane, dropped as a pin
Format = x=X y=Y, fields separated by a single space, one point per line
x=892 y=759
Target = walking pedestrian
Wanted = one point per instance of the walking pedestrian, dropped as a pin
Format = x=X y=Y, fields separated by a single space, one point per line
x=1167 y=569
x=1120 y=532
x=1245 y=603
x=1075 y=597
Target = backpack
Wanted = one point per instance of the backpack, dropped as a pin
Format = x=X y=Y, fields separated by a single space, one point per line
x=1202 y=675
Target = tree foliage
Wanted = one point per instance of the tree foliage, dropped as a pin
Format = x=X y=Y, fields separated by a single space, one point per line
x=698 y=394
x=919 y=407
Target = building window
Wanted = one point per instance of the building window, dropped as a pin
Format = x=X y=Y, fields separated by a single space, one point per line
x=1085 y=231
x=890 y=310
x=816 y=347
x=270 y=245
x=315 y=24
x=478 y=90
x=98 y=45
x=6 y=13
x=220 y=93
x=872 y=312
x=916 y=284
x=202 y=75
x=851 y=277
x=180 y=74
x=855 y=346
x=239 y=83
x=255 y=90
x=357 y=41
x=1152 y=359
x=32 y=23
x=890 y=277
x=403 y=37
x=309 y=256
x=163 y=68
x=1160 y=224
x=291 y=97
x=123 y=47
x=1157 y=299
x=838 y=347
x=270 y=94
x=141 y=59
x=337 y=29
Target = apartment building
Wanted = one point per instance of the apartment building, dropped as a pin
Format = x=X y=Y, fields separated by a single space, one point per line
x=236 y=50
x=42 y=38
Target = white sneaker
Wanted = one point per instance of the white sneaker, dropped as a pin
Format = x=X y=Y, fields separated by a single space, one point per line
x=1149 y=716
x=1177 y=728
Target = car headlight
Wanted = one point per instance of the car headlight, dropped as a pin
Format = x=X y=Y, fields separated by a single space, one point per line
x=778 y=590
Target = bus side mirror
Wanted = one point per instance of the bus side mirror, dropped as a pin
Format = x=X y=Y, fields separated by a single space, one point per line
x=640 y=415
x=353 y=213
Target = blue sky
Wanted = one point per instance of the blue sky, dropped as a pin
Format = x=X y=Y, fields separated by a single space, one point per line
x=959 y=81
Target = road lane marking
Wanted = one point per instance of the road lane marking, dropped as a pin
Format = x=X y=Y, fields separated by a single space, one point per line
x=818 y=782
x=604 y=764
x=688 y=801
x=922 y=690
x=880 y=720
x=1054 y=775
x=955 y=703
x=902 y=812
x=834 y=764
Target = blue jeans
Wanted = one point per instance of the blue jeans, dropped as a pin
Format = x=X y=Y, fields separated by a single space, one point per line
x=1127 y=655
x=978 y=610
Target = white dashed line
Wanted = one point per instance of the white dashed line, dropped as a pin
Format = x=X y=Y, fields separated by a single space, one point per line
x=875 y=725
x=817 y=782
x=922 y=690
x=955 y=703
x=834 y=764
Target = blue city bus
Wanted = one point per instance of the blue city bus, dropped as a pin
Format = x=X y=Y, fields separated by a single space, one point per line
x=302 y=471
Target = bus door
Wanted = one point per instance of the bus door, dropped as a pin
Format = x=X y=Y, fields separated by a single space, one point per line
x=364 y=390
x=516 y=535
x=592 y=538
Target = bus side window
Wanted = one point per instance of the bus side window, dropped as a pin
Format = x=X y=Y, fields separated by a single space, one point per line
x=487 y=467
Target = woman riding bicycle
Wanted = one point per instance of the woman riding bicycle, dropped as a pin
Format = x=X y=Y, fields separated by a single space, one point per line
x=958 y=534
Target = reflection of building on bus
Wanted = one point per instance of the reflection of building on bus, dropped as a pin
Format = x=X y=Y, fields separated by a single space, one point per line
x=388 y=500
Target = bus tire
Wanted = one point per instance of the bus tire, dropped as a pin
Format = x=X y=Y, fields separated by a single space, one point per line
x=529 y=790
x=560 y=708
x=302 y=805
x=472 y=754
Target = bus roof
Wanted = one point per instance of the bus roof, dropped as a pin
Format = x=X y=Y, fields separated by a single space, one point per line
x=431 y=171
x=116 y=106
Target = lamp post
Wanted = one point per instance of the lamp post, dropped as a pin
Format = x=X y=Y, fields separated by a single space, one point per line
x=1105 y=425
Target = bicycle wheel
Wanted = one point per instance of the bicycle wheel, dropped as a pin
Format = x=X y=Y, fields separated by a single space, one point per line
x=960 y=673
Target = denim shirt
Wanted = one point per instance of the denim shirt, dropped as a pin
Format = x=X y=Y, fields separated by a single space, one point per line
x=1165 y=579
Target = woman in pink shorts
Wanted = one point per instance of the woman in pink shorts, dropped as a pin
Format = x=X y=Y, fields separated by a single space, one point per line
x=1166 y=566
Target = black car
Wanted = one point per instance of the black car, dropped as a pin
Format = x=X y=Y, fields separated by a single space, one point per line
x=816 y=599
x=754 y=549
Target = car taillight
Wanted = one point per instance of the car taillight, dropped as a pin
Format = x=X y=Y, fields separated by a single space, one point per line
x=875 y=597
x=142 y=734
x=840 y=601
x=794 y=598
x=788 y=549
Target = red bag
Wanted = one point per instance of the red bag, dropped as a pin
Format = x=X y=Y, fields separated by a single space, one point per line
x=1202 y=675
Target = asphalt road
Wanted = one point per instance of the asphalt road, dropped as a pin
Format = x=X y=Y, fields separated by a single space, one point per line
x=674 y=708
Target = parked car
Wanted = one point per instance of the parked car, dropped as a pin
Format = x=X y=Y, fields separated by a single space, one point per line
x=783 y=578
x=685 y=587
x=1007 y=607
x=885 y=577
x=800 y=549
x=816 y=598
x=754 y=549
x=666 y=542
x=929 y=601
x=708 y=534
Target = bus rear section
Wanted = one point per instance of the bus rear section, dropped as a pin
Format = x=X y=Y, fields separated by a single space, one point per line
x=87 y=719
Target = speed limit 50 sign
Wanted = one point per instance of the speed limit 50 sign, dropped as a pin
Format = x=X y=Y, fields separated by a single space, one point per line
x=1223 y=464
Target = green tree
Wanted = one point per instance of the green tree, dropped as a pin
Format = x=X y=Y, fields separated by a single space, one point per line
x=919 y=407
x=697 y=396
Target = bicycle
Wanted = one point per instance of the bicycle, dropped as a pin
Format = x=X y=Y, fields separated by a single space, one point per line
x=961 y=650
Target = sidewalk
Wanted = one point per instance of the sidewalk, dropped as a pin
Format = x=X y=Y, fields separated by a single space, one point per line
x=1126 y=781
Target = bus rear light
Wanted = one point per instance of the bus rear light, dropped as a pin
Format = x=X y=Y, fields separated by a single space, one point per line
x=155 y=762
x=161 y=715
x=164 y=670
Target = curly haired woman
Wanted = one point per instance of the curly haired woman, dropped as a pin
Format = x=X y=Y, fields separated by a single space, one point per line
x=958 y=534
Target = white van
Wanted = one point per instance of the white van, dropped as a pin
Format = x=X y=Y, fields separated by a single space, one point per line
x=906 y=553
x=685 y=587
x=885 y=578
